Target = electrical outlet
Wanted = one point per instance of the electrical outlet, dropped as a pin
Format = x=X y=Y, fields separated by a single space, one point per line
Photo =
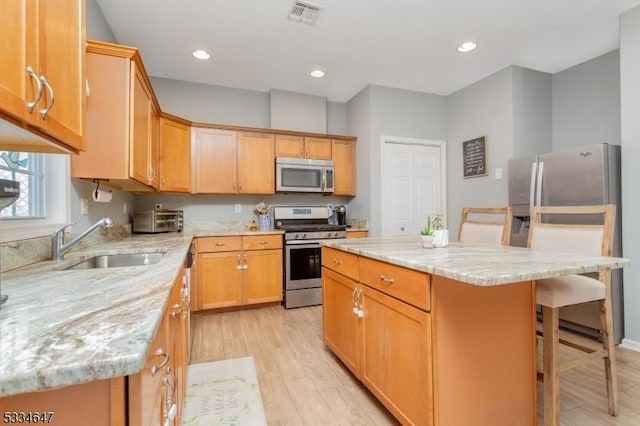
x=498 y=173
x=84 y=206
x=238 y=208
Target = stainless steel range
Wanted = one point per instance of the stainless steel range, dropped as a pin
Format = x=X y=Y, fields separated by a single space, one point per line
x=305 y=227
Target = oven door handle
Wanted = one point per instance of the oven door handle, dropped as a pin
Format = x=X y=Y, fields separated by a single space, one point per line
x=303 y=243
x=309 y=243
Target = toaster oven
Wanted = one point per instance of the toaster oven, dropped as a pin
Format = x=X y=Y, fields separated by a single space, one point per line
x=158 y=220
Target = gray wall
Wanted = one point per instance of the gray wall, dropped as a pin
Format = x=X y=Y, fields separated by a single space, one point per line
x=630 y=138
x=337 y=118
x=298 y=112
x=359 y=124
x=484 y=108
x=97 y=27
x=206 y=103
x=586 y=103
x=532 y=112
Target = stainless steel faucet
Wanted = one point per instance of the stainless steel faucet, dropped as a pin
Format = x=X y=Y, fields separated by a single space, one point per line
x=58 y=248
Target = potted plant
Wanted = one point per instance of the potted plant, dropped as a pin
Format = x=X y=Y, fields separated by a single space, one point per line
x=434 y=223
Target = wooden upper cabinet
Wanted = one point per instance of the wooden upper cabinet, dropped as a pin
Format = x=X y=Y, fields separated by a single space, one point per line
x=317 y=148
x=122 y=120
x=343 y=152
x=215 y=161
x=140 y=164
x=256 y=163
x=290 y=146
x=42 y=85
x=230 y=162
x=294 y=146
x=174 y=161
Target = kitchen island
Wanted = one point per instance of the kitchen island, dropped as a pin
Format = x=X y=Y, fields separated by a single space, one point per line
x=441 y=336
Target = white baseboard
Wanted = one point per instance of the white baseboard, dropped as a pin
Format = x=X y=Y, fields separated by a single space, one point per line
x=630 y=344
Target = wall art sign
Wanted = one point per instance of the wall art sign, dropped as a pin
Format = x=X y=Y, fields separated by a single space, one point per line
x=474 y=157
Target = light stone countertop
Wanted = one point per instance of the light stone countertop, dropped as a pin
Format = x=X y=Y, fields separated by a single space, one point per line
x=475 y=264
x=60 y=328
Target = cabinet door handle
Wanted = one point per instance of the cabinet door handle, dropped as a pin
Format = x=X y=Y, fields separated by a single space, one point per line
x=245 y=266
x=177 y=310
x=238 y=265
x=239 y=186
x=387 y=280
x=31 y=105
x=155 y=368
x=52 y=98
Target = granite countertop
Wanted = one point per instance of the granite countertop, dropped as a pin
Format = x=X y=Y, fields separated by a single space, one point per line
x=475 y=264
x=60 y=328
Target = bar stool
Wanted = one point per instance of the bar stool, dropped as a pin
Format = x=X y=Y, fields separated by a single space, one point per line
x=482 y=230
x=554 y=234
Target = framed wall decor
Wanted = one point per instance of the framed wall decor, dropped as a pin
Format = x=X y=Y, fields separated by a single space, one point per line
x=474 y=157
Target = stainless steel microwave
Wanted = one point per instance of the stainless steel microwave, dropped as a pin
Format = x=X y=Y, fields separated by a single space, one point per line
x=304 y=175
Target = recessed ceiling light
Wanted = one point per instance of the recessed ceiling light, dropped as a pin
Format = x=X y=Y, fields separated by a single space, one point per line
x=467 y=46
x=317 y=73
x=201 y=54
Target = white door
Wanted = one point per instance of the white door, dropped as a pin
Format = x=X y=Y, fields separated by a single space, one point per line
x=413 y=184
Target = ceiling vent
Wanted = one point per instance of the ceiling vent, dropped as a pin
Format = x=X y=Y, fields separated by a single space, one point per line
x=305 y=12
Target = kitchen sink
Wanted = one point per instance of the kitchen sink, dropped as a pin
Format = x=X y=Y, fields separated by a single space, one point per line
x=118 y=261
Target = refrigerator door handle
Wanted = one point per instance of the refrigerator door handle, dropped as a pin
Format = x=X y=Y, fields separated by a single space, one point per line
x=532 y=191
x=539 y=183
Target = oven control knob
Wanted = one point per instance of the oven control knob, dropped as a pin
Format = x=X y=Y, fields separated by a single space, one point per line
x=304 y=236
x=335 y=235
x=296 y=236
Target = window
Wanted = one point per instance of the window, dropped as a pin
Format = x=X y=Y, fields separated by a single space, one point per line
x=29 y=170
x=44 y=194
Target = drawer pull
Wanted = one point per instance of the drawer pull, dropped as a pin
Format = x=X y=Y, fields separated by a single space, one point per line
x=337 y=261
x=221 y=244
x=387 y=280
x=263 y=242
x=156 y=368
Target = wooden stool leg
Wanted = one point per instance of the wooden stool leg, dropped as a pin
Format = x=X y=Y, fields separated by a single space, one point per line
x=550 y=338
x=606 y=320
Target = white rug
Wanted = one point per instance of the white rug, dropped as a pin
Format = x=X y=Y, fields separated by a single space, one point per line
x=223 y=393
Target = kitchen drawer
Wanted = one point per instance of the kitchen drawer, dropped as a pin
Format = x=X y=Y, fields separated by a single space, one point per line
x=402 y=283
x=341 y=262
x=262 y=242
x=218 y=244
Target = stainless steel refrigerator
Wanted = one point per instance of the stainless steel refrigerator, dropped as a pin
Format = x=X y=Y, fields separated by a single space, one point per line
x=585 y=176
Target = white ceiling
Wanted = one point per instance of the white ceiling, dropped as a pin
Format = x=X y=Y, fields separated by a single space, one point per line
x=409 y=44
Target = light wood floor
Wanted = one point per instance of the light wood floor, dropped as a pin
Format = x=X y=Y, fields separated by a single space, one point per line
x=303 y=383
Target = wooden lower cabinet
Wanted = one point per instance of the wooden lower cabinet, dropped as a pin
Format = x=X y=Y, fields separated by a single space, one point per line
x=156 y=394
x=396 y=356
x=238 y=271
x=99 y=403
x=341 y=325
x=384 y=342
x=357 y=234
